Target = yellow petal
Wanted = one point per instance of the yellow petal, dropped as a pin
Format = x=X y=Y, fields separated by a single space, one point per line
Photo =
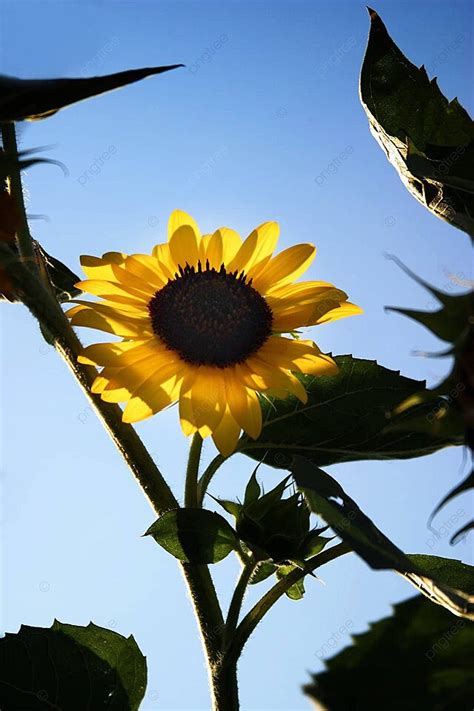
x=184 y=247
x=186 y=414
x=305 y=297
x=99 y=384
x=205 y=239
x=343 y=311
x=161 y=252
x=101 y=267
x=291 y=319
x=214 y=251
x=277 y=378
x=110 y=290
x=243 y=404
x=227 y=434
x=146 y=267
x=231 y=243
x=155 y=366
x=304 y=356
x=257 y=249
x=178 y=218
x=151 y=397
x=106 y=353
x=284 y=267
x=115 y=394
x=111 y=322
x=207 y=397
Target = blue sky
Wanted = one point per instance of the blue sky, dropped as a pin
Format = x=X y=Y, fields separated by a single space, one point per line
x=243 y=134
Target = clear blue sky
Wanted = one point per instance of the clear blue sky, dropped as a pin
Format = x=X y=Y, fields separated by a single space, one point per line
x=238 y=137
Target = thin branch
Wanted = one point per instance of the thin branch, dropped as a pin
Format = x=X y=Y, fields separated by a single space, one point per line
x=251 y=620
x=237 y=599
x=192 y=472
x=205 y=480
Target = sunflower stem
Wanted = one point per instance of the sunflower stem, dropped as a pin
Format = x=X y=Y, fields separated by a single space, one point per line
x=258 y=611
x=225 y=692
x=192 y=472
x=47 y=311
x=25 y=241
x=205 y=480
x=237 y=599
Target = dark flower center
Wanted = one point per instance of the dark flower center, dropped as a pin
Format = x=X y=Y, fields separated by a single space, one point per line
x=211 y=317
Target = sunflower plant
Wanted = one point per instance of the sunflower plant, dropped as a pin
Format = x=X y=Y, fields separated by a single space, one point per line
x=214 y=325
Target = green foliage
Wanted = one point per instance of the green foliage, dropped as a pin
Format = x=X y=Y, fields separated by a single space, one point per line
x=276 y=531
x=296 y=591
x=70 y=667
x=32 y=99
x=451 y=402
x=437 y=578
x=194 y=535
x=428 y=139
x=274 y=528
x=345 y=419
x=418 y=659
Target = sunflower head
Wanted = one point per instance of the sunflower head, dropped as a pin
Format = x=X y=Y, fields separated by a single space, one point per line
x=202 y=321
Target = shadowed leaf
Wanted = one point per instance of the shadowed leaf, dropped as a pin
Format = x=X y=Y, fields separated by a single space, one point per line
x=70 y=667
x=33 y=99
x=428 y=139
x=345 y=419
x=437 y=578
x=194 y=535
x=418 y=659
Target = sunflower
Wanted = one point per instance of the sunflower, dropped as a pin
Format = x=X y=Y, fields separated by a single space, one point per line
x=202 y=321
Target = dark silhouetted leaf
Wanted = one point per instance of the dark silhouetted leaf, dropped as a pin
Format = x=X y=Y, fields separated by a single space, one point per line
x=437 y=578
x=252 y=490
x=345 y=419
x=428 y=139
x=39 y=98
x=61 y=278
x=419 y=659
x=194 y=535
x=70 y=667
x=451 y=402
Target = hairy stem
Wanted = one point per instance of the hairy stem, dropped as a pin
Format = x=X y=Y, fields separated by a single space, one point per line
x=205 y=480
x=237 y=600
x=225 y=692
x=251 y=620
x=47 y=311
x=192 y=472
x=25 y=242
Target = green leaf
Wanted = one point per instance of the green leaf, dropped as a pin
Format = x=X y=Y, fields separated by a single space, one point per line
x=70 y=667
x=194 y=535
x=327 y=498
x=428 y=139
x=39 y=98
x=313 y=544
x=296 y=591
x=252 y=490
x=262 y=572
x=345 y=419
x=446 y=571
x=258 y=508
x=418 y=659
x=232 y=507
